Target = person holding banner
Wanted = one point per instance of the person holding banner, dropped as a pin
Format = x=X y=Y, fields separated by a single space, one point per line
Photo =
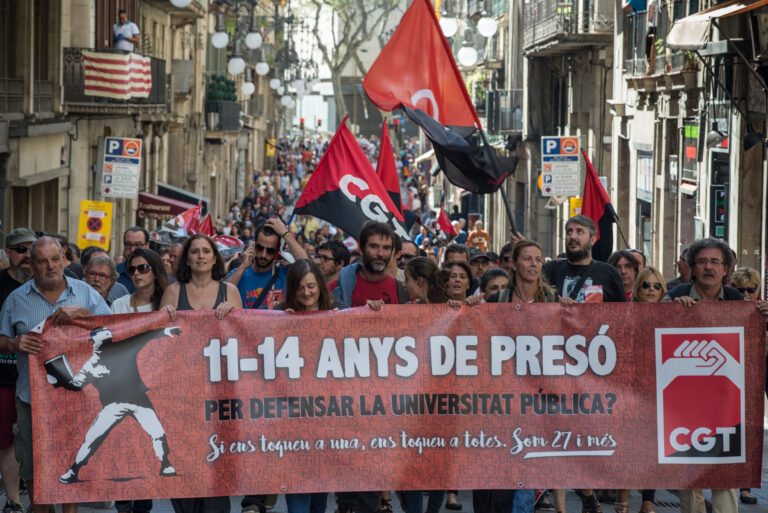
x=48 y=296
x=460 y=285
x=200 y=286
x=306 y=291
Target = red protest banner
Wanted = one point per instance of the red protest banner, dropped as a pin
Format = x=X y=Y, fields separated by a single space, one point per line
x=412 y=397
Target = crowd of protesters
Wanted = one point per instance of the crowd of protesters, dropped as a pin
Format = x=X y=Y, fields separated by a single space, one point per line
x=48 y=277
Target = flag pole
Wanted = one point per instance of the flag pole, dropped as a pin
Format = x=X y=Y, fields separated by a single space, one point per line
x=621 y=232
x=504 y=198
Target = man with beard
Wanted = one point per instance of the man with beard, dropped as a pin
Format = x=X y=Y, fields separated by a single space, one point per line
x=368 y=281
x=259 y=280
x=359 y=284
x=19 y=270
x=579 y=278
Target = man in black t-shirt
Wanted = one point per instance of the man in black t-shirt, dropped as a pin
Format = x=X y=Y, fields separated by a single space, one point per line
x=19 y=270
x=601 y=284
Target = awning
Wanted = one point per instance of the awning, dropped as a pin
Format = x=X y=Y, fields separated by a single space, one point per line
x=692 y=32
x=424 y=156
x=688 y=188
x=152 y=206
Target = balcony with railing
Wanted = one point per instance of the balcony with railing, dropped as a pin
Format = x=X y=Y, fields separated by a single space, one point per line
x=11 y=94
x=76 y=100
x=504 y=111
x=559 y=26
x=636 y=63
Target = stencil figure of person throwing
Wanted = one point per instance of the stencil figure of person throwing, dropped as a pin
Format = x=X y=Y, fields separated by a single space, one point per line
x=113 y=369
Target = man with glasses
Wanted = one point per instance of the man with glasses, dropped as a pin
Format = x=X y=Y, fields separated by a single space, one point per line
x=19 y=271
x=101 y=273
x=709 y=261
x=134 y=237
x=410 y=250
x=330 y=257
x=259 y=280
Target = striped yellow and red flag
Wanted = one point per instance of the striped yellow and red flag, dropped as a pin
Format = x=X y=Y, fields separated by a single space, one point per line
x=116 y=75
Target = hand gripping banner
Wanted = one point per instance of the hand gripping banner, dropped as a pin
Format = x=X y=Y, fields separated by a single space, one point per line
x=412 y=397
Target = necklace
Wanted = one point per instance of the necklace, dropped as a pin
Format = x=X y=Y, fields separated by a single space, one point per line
x=521 y=297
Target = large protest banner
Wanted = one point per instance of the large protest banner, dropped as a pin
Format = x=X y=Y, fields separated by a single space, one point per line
x=412 y=397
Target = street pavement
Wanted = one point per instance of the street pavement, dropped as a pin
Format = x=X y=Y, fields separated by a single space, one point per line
x=666 y=500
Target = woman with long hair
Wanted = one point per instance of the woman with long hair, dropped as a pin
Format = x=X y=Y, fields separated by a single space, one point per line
x=200 y=286
x=460 y=284
x=526 y=285
x=424 y=283
x=148 y=275
x=200 y=276
x=306 y=291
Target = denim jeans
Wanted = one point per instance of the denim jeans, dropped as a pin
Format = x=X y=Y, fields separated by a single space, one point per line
x=306 y=502
x=414 y=501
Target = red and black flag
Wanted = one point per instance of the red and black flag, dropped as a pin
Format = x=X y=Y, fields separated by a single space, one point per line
x=596 y=205
x=416 y=68
x=466 y=163
x=386 y=168
x=345 y=191
x=445 y=223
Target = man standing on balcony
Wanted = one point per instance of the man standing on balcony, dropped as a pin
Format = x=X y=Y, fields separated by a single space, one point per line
x=126 y=32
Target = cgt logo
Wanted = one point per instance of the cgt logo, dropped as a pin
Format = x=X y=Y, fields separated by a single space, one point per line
x=700 y=395
x=372 y=206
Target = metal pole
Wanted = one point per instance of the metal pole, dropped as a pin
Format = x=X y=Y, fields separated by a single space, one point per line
x=504 y=198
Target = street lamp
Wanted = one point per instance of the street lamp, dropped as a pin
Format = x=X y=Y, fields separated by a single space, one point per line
x=274 y=83
x=449 y=25
x=487 y=26
x=253 y=39
x=467 y=54
x=236 y=63
x=220 y=38
x=248 y=88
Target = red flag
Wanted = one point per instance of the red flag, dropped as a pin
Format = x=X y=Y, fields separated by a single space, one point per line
x=416 y=68
x=596 y=205
x=444 y=223
x=206 y=226
x=345 y=191
x=386 y=168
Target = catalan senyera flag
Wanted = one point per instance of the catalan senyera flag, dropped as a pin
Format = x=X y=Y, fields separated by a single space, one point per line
x=120 y=76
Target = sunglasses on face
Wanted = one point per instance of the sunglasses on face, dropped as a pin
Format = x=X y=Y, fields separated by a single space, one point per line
x=20 y=249
x=142 y=268
x=749 y=290
x=648 y=285
x=261 y=248
x=406 y=257
x=506 y=258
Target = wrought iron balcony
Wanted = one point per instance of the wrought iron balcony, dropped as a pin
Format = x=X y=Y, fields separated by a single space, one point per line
x=76 y=100
x=560 y=26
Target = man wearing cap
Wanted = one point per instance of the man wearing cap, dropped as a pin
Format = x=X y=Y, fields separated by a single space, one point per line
x=479 y=262
x=49 y=295
x=19 y=270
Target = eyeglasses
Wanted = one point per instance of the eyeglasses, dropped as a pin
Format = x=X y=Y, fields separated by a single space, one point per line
x=142 y=268
x=324 y=258
x=749 y=290
x=711 y=261
x=134 y=245
x=656 y=285
x=406 y=257
x=506 y=258
x=260 y=248
x=20 y=249
x=101 y=276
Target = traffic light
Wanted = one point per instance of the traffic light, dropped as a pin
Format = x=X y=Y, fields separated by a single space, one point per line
x=397 y=121
x=319 y=123
x=301 y=123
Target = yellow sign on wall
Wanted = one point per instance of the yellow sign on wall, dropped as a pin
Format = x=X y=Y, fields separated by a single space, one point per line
x=271 y=147
x=574 y=205
x=95 y=224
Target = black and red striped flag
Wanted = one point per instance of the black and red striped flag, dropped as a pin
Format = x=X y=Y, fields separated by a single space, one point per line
x=596 y=205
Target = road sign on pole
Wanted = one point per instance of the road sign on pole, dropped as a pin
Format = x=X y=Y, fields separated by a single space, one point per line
x=95 y=224
x=122 y=166
x=560 y=166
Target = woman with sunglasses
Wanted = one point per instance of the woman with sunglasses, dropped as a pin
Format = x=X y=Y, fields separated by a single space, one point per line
x=649 y=287
x=148 y=275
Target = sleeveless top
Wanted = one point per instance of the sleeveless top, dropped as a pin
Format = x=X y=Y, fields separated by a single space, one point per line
x=184 y=301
